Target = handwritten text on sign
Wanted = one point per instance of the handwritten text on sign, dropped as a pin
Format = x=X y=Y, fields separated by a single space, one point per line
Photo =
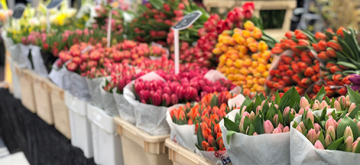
x=187 y=20
x=18 y=11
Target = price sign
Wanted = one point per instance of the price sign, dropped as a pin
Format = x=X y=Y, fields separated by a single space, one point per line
x=18 y=11
x=187 y=21
x=53 y=4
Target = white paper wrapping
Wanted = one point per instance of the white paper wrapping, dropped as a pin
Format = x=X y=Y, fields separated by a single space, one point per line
x=302 y=152
x=56 y=75
x=214 y=75
x=17 y=55
x=236 y=102
x=95 y=92
x=108 y=100
x=125 y=109
x=217 y=157
x=181 y=134
x=257 y=150
x=148 y=117
x=38 y=62
x=8 y=41
x=78 y=86
x=23 y=58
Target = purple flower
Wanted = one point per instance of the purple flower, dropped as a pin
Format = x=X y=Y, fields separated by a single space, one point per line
x=355 y=80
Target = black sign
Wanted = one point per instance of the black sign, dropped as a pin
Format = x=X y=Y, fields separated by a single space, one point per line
x=53 y=4
x=187 y=20
x=18 y=11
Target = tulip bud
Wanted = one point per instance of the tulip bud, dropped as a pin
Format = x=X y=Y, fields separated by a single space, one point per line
x=258 y=108
x=331 y=131
x=156 y=99
x=211 y=140
x=342 y=100
x=255 y=134
x=352 y=107
x=331 y=122
x=174 y=99
x=302 y=126
x=167 y=90
x=166 y=98
x=318 y=145
x=328 y=140
x=315 y=106
x=354 y=145
x=144 y=96
x=205 y=145
x=323 y=105
x=252 y=116
x=277 y=130
x=245 y=114
x=309 y=115
x=286 y=111
x=304 y=102
x=317 y=127
x=311 y=135
x=280 y=126
x=268 y=127
x=348 y=133
x=190 y=93
x=301 y=111
x=276 y=119
x=286 y=129
x=348 y=143
x=347 y=98
x=299 y=129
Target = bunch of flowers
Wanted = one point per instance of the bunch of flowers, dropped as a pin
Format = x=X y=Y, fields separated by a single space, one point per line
x=202 y=52
x=179 y=90
x=244 y=57
x=325 y=132
x=297 y=67
x=337 y=52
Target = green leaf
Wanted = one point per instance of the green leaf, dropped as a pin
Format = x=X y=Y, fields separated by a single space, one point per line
x=320 y=94
x=332 y=102
x=251 y=130
x=258 y=101
x=237 y=118
x=334 y=145
x=281 y=119
x=323 y=114
x=329 y=35
x=345 y=122
x=307 y=97
x=247 y=123
x=357 y=150
x=321 y=138
x=277 y=97
x=354 y=97
x=295 y=124
x=214 y=101
x=271 y=112
x=200 y=137
x=309 y=124
x=327 y=100
x=258 y=125
x=246 y=102
x=230 y=125
x=228 y=136
x=342 y=147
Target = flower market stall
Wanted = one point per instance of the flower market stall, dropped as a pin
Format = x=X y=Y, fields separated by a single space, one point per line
x=167 y=82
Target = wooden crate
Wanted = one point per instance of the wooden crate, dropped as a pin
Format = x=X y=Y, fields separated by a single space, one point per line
x=288 y=5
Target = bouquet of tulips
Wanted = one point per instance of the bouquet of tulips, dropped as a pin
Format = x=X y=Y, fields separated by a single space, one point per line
x=202 y=51
x=337 y=52
x=263 y=122
x=296 y=65
x=244 y=57
x=318 y=133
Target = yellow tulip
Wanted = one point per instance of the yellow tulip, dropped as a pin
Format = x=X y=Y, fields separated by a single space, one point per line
x=248 y=25
x=238 y=63
x=229 y=62
x=266 y=74
x=257 y=33
x=243 y=49
x=240 y=40
x=246 y=33
x=263 y=46
x=217 y=51
x=247 y=62
x=262 y=81
x=253 y=47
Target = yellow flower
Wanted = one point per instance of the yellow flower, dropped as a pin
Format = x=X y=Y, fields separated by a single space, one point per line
x=263 y=46
x=249 y=26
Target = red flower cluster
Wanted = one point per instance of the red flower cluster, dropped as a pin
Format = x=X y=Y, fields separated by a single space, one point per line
x=299 y=69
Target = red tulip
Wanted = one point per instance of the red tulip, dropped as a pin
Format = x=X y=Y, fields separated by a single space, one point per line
x=174 y=99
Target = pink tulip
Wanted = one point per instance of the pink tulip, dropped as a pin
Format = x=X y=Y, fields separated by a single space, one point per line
x=328 y=140
x=286 y=111
x=280 y=126
x=337 y=106
x=277 y=130
x=167 y=90
x=348 y=133
x=179 y=92
x=309 y=115
x=174 y=99
x=255 y=134
x=276 y=118
x=166 y=98
x=299 y=129
x=301 y=111
x=348 y=143
x=323 y=105
x=144 y=96
x=122 y=84
x=190 y=93
x=304 y=102
x=331 y=122
x=342 y=100
x=241 y=125
x=354 y=145
x=302 y=126
x=286 y=129
x=318 y=145
x=138 y=87
x=268 y=127
x=316 y=105
x=317 y=127
x=71 y=66
x=311 y=135
x=330 y=131
x=156 y=99
x=352 y=107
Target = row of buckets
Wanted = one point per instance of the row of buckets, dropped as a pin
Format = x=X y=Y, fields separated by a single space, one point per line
x=109 y=140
